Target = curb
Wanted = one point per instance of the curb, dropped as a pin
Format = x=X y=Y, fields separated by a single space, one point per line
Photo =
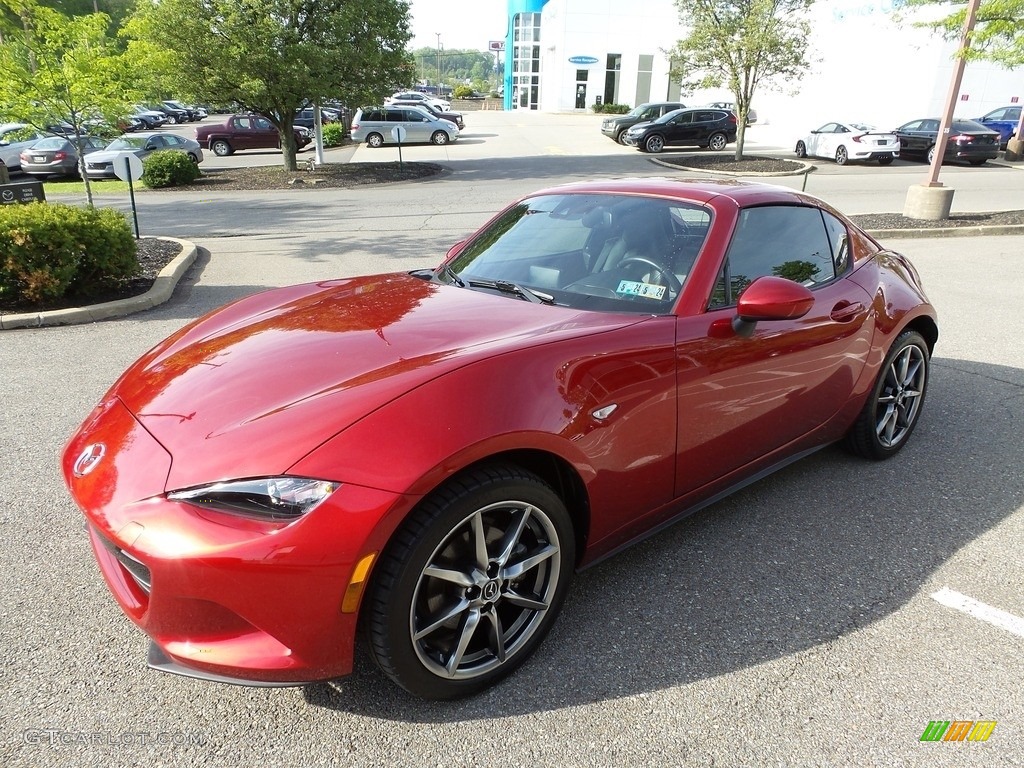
x=806 y=168
x=161 y=290
x=978 y=231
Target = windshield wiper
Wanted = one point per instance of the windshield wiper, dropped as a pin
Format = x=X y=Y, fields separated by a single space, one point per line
x=505 y=286
x=448 y=272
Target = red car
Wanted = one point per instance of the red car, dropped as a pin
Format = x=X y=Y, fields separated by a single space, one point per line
x=431 y=455
x=246 y=132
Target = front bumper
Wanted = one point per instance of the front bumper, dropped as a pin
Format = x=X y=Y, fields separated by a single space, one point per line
x=222 y=597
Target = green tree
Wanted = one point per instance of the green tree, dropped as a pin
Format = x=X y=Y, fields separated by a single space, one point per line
x=63 y=70
x=998 y=34
x=741 y=44
x=274 y=56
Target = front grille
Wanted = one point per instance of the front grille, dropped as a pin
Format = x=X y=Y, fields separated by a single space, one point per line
x=140 y=573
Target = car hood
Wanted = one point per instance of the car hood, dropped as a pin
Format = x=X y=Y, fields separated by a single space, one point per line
x=641 y=126
x=253 y=387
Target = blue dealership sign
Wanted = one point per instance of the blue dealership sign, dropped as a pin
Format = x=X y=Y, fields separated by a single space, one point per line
x=583 y=60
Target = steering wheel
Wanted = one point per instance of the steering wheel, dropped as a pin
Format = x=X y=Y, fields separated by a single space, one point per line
x=670 y=279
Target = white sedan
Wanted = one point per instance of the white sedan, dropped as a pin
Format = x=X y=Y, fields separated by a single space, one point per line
x=843 y=142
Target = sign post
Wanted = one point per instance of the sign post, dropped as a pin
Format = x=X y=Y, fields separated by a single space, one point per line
x=128 y=168
x=398 y=133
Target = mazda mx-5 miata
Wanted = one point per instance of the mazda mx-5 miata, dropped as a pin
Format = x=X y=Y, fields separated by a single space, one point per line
x=429 y=456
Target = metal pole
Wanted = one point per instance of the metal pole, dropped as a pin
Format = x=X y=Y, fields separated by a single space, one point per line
x=438 y=94
x=131 y=194
x=954 y=91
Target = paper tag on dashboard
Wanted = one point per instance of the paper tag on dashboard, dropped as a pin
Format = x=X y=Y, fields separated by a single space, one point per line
x=644 y=290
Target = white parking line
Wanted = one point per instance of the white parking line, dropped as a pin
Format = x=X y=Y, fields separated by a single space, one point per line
x=980 y=610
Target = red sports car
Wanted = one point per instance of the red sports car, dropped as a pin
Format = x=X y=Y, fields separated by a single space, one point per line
x=431 y=455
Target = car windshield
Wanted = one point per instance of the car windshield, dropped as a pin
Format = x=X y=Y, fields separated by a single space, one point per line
x=127 y=142
x=595 y=251
x=669 y=116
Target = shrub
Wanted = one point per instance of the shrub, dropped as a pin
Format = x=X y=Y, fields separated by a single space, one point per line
x=168 y=168
x=462 y=91
x=612 y=109
x=50 y=250
x=334 y=134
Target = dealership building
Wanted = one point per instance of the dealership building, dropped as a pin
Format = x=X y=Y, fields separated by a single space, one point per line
x=869 y=63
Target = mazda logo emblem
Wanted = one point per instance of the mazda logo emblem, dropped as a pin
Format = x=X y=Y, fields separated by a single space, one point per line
x=89 y=459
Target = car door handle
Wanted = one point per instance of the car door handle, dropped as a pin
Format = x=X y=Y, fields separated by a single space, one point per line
x=845 y=311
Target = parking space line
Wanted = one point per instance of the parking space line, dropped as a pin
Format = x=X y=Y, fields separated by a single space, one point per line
x=980 y=610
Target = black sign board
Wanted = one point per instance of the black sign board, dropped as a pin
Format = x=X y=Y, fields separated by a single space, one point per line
x=21 y=192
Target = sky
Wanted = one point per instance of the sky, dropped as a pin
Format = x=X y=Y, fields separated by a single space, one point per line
x=468 y=25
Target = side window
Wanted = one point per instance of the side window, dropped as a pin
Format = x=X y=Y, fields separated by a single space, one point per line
x=395 y=116
x=914 y=126
x=929 y=125
x=263 y=124
x=839 y=239
x=785 y=241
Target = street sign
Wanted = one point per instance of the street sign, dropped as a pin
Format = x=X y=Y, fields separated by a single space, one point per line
x=128 y=167
x=496 y=45
x=398 y=133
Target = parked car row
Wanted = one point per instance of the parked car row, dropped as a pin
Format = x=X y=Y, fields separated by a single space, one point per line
x=969 y=141
x=703 y=127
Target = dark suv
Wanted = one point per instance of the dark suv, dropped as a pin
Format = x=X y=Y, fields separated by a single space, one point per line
x=614 y=127
x=702 y=127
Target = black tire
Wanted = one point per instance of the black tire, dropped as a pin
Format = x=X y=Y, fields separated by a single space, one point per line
x=375 y=140
x=654 y=143
x=801 y=149
x=842 y=156
x=978 y=161
x=621 y=137
x=440 y=138
x=718 y=142
x=894 y=406
x=930 y=154
x=484 y=610
x=193 y=158
x=172 y=120
x=221 y=148
x=885 y=160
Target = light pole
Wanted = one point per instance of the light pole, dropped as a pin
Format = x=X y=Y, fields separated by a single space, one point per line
x=438 y=94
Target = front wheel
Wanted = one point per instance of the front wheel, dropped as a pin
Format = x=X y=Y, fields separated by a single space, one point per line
x=718 y=141
x=801 y=149
x=221 y=148
x=194 y=158
x=440 y=138
x=621 y=138
x=654 y=143
x=978 y=161
x=471 y=583
x=894 y=406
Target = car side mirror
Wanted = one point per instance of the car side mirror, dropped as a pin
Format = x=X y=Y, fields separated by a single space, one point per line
x=151 y=147
x=770 y=298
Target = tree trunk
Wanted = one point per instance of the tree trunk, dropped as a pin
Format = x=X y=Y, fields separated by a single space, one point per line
x=741 y=130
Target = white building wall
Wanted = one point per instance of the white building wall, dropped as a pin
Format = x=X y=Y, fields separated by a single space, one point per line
x=597 y=28
x=868 y=65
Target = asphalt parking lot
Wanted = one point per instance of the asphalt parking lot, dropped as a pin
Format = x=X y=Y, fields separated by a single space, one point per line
x=793 y=624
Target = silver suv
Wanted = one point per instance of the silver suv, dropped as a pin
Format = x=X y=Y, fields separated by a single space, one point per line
x=375 y=126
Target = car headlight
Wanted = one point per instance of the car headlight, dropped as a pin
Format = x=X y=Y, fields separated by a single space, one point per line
x=267 y=498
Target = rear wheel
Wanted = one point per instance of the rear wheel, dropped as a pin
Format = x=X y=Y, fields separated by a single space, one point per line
x=471 y=583
x=440 y=138
x=931 y=154
x=978 y=161
x=654 y=143
x=375 y=140
x=841 y=156
x=221 y=148
x=718 y=141
x=894 y=406
x=801 y=149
